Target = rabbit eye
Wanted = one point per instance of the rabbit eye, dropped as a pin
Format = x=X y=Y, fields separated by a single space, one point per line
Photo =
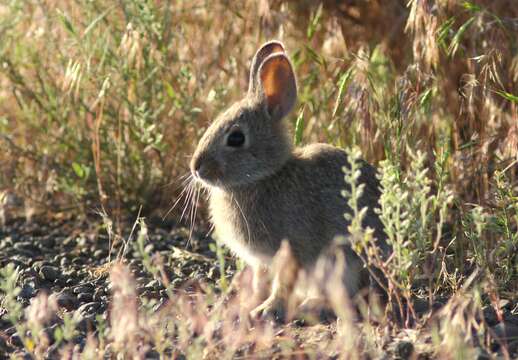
x=236 y=139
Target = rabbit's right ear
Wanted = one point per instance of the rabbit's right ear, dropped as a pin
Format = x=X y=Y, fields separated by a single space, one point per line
x=264 y=51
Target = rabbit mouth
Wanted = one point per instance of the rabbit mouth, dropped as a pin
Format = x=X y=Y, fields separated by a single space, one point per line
x=205 y=182
x=206 y=177
x=205 y=170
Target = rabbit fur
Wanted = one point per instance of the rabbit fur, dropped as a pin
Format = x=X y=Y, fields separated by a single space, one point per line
x=263 y=190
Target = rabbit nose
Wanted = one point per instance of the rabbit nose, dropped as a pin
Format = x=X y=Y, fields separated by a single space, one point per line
x=204 y=167
x=198 y=166
x=195 y=166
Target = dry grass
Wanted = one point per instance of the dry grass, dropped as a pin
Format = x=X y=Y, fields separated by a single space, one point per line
x=102 y=102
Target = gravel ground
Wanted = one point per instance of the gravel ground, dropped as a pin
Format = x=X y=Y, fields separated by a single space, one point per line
x=67 y=259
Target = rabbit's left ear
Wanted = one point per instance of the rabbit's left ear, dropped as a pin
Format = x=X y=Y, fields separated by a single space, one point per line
x=264 y=51
x=277 y=85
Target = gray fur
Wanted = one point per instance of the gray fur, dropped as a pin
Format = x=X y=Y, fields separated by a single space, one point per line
x=268 y=191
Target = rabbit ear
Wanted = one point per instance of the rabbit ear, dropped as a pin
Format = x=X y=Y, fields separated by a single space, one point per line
x=278 y=86
x=268 y=48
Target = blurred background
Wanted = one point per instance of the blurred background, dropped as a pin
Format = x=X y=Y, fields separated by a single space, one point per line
x=102 y=102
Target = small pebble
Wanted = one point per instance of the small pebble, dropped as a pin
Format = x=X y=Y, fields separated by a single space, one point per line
x=100 y=254
x=28 y=291
x=49 y=273
x=88 y=308
x=78 y=261
x=83 y=288
x=85 y=297
x=15 y=340
x=47 y=241
x=66 y=300
x=153 y=284
x=26 y=247
x=404 y=349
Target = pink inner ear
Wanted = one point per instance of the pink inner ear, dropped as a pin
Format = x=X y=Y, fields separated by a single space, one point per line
x=277 y=81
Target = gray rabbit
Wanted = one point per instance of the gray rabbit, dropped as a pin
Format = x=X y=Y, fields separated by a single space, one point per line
x=263 y=190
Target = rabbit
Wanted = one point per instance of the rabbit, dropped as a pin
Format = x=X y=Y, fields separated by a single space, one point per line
x=263 y=190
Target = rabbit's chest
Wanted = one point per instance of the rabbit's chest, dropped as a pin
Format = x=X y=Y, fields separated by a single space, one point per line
x=241 y=228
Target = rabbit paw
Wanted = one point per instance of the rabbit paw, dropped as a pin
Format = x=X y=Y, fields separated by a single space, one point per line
x=271 y=308
x=314 y=310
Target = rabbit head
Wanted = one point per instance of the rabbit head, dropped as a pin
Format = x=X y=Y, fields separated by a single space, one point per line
x=249 y=141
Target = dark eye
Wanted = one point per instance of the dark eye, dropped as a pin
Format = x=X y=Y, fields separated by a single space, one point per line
x=236 y=138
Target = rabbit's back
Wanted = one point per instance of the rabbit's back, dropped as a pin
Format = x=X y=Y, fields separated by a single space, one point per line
x=301 y=203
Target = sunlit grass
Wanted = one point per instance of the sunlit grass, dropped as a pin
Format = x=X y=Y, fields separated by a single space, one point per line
x=102 y=103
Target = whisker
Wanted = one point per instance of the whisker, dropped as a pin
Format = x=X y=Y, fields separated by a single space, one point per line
x=182 y=194
x=186 y=203
x=180 y=197
x=211 y=229
x=180 y=178
x=244 y=217
x=194 y=211
x=188 y=179
x=191 y=211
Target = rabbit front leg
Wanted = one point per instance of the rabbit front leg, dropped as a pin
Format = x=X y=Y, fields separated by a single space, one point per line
x=285 y=272
x=261 y=283
x=274 y=305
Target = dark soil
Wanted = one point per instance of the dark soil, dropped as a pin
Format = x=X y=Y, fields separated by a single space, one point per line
x=69 y=260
